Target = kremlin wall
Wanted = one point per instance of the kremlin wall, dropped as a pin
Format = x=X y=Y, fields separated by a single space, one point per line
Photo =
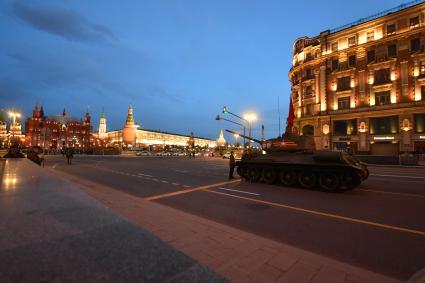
x=133 y=135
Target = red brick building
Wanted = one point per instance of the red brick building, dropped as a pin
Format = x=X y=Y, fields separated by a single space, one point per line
x=60 y=130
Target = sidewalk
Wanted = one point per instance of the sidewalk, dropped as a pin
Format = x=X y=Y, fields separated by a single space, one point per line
x=51 y=231
x=237 y=255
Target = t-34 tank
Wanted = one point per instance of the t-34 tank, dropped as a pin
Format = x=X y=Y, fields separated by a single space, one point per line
x=293 y=160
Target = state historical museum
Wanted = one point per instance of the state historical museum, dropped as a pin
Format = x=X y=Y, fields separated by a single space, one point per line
x=60 y=130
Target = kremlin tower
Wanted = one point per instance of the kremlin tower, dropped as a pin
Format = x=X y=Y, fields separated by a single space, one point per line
x=221 y=141
x=102 y=134
x=129 y=131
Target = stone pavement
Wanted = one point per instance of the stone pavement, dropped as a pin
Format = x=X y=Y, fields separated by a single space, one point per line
x=51 y=231
x=237 y=255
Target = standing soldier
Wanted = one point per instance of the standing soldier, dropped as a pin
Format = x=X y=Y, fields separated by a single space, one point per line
x=231 y=165
x=69 y=155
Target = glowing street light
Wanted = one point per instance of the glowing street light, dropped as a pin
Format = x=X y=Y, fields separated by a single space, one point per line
x=250 y=117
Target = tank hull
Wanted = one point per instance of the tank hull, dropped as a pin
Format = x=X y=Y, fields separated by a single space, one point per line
x=329 y=171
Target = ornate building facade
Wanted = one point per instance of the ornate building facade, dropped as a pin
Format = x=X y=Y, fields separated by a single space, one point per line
x=133 y=135
x=57 y=131
x=361 y=87
x=10 y=130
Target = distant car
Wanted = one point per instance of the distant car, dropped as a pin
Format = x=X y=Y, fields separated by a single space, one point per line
x=143 y=153
x=226 y=155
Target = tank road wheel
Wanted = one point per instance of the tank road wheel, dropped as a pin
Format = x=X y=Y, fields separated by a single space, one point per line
x=307 y=179
x=288 y=178
x=253 y=174
x=329 y=181
x=268 y=175
x=241 y=170
x=349 y=181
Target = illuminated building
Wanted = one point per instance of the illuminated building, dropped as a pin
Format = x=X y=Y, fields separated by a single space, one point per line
x=133 y=135
x=57 y=131
x=361 y=87
x=3 y=130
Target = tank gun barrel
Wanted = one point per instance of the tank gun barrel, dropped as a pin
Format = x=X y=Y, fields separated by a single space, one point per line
x=247 y=137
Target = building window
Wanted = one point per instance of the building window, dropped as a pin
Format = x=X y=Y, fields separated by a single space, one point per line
x=423 y=92
x=345 y=127
x=351 y=41
x=335 y=64
x=390 y=29
x=352 y=61
x=308 y=74
x=382 y=98
x=384 y=125
x=382 y=76
x=420 y=123
x=343 y=84
x=309 y=109
x=414 y=21
x=415 y=44
x=334 y=46
x=370 y=35
x=343 y=103
x=308 y=91
x=296 y=81
x=370 y=56
x=392 y=50
x=422 y=70
x=308 y=57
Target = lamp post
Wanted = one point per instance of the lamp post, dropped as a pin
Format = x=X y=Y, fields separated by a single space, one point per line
x=13 y=115
x=250 y=117
x=218 y=118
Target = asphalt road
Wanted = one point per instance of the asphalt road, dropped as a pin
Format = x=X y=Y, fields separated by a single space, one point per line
x=379 y=226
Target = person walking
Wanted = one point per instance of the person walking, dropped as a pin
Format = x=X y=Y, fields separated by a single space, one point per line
x=69 y=155
x=232 y=163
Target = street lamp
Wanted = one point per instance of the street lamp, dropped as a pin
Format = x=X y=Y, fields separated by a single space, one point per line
x=250 y=117
x=14 y=115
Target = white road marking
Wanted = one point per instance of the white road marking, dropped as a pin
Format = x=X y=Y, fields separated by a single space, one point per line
x=186 y=186
x=54 y=165
x=397 y=176
x=176 y=184
x=156 y=180
x=182 y=171
x=164 y=181
x=147 y=175
x=249 y=193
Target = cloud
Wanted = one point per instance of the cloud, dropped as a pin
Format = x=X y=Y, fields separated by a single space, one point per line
x=18 y=57
x=62 y=22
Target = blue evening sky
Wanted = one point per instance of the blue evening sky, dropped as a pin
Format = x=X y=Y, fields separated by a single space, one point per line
x=176 y=62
